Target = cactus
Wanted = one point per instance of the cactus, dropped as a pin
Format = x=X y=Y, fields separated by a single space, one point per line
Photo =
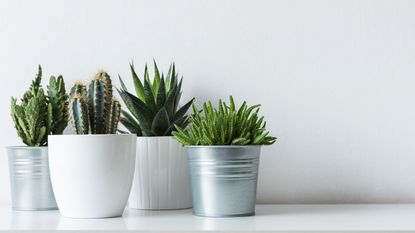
x=94 y=110
x=100 y=100
x=80 y=114
x=58 y=102
x=114 y=117
x=78 y=89
x=39 y=115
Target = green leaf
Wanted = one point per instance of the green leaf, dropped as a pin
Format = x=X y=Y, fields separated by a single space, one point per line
x=178 y=95
x=225 y=126
x=123 y=87
x=138 y=109
x=161 y=94
x=139 y=89
x=168 y=79
x=182 y=111
x=161 y=122
x=41 y=136
x=131 y=119
x=156 y=81
x=130 y=126
x=240 y=141
x=149 y=97
x=169 y=104
x=59 y=106
x=49 y=118
x=182 y=136
x=146 y=76
x=182 y=123
x=232 y=104
x=130 y=123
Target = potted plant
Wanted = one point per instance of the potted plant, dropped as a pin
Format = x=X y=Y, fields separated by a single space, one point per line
x=223 y=147
x=37 y=116
x=161 y=179
x=92 y=171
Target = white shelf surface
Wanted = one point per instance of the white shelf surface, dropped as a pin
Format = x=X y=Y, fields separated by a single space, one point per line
x=269 y=218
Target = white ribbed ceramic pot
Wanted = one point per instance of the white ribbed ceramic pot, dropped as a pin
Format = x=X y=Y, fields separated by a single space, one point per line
x=161 y=176
x=92 y=174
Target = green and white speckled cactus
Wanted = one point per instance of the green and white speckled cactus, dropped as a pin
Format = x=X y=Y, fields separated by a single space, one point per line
x=94 y=110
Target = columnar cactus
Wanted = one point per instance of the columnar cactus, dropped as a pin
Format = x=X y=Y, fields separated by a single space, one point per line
x=100 y=100
x=95 y=111
x=80 y=114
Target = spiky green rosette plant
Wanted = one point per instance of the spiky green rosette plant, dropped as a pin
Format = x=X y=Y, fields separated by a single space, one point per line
x=155 y=110
x=94 y=110
x=39 y=115
x=225 y=126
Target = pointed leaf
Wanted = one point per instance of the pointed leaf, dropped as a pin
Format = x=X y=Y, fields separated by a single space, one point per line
x=161 y=94
x=168 y=79
x=156 y=81
x=130 y=126
x=138 y=109
x=149 y=97
x=183 y=110
x=139 y=89
x=123 y=87
x=161 y=122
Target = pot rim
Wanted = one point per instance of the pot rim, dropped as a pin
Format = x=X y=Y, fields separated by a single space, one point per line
x=155 y=136
x=91 y=135
x=26 y=147
x=221 y=146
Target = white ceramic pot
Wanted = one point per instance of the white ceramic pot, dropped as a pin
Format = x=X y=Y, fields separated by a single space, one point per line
x=161 y=177
x=92 y=174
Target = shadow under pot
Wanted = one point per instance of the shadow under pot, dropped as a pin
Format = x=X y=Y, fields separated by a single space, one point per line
x=92 y=174
x=31 y=187
x=223 y=179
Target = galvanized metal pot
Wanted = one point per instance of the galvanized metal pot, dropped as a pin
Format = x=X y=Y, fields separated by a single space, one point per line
x=223 y=179
x=31 y=187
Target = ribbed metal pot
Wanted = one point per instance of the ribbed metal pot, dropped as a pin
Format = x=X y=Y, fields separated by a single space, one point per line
x=223 y=179
x=31 y=187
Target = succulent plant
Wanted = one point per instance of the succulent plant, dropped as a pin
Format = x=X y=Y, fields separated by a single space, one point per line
x=58 y=101
x=155 y=107
x=225 y=126
x=39 y=115
x=94 y=110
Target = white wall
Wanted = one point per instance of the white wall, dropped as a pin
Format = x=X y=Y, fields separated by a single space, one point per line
x=336 y=78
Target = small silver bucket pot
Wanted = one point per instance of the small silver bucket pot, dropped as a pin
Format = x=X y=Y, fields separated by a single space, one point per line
x=223 y=179
x=31 y=187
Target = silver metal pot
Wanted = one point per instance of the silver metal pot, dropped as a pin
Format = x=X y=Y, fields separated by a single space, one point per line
x=224 y=179
x=31 y=187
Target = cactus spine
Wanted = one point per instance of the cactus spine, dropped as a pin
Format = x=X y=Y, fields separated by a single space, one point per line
x=95 y=111
x=114 y=117
x=100 y=99
x=80 y=119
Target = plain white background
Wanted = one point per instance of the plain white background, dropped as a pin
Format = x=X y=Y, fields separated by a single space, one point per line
x=335 y=78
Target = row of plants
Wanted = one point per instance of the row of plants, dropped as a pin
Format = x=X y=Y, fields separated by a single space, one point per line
x=162 y=158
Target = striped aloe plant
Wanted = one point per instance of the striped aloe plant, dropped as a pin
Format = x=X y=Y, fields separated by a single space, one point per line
x=154 y=110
